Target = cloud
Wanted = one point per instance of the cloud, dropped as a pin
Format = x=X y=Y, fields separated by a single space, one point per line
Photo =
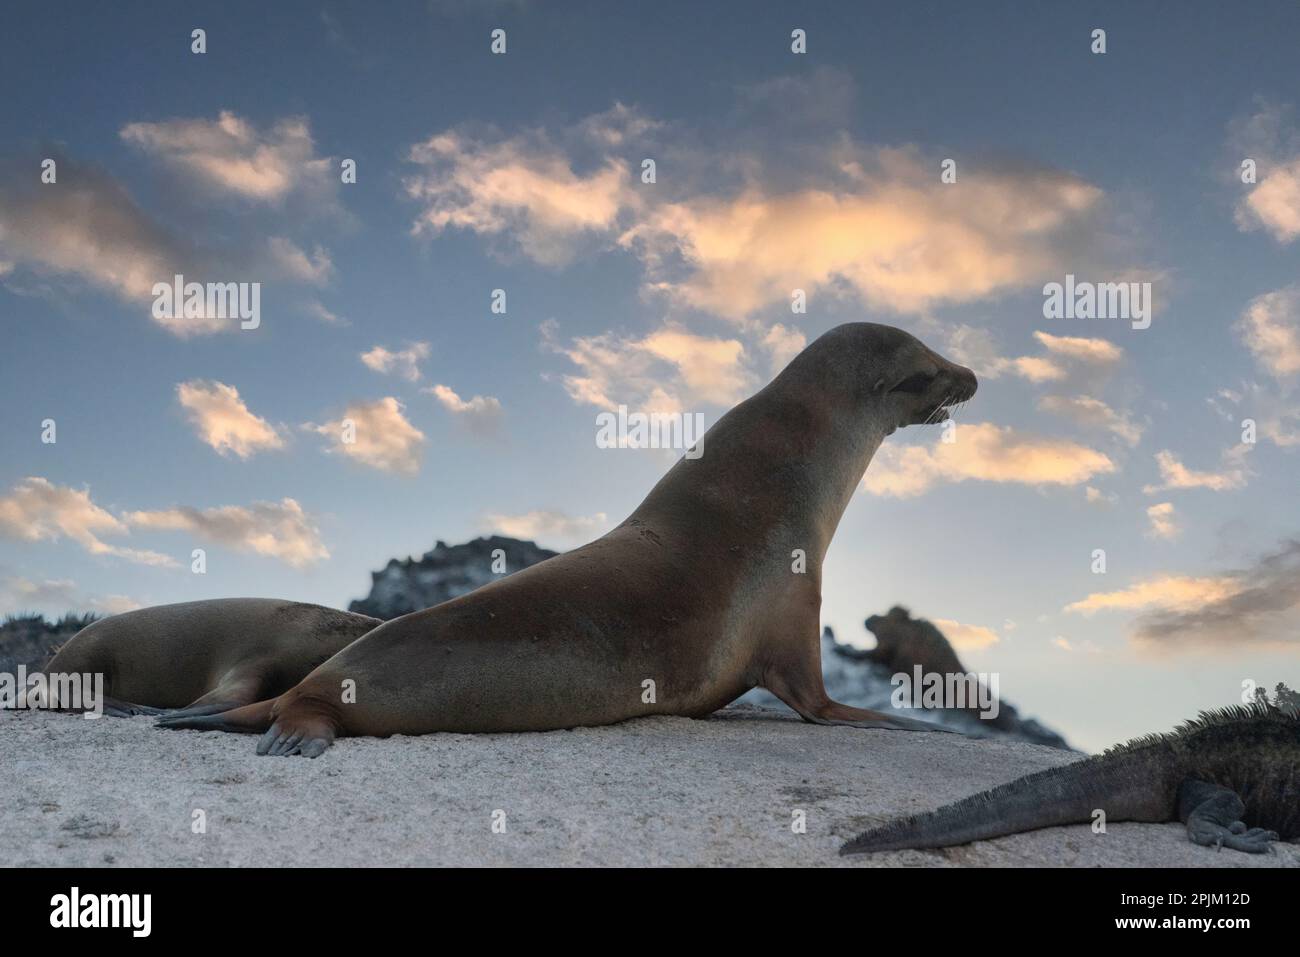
x=1167 y=592
x=87 y=228
x=524 y=188
x=290 y=261
x=875 y=222
x=1092 y=413
x=57 y=596
x=966 y=637
x=1261 y=605
x=889 y=231
x=1175 y=475
x=1066 y=645
x=403 y=362
x=1034 y=368
x=37 y=510
x=548 y=524
x=974 y=347
x=1270 y=328
x=86 y=225
x=1096 y=496
x=376 y=434
x=1274 y=203
x=1081 y=348
x=1257 y=605
x=984 y=452
x=223 y=421
x=481 y=414
x=782 y=345
x=280 y=530
x=665 y=371
x=230 y=155
x=1269 y=138
x=1275 y=411
x=1163 y=521
x=317 y=311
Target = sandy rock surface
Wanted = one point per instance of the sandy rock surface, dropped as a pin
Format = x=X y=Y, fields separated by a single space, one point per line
x=649 y=792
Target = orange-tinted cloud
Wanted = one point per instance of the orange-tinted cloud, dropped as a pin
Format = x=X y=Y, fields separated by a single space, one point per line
x=983 y=452
x=224 y=421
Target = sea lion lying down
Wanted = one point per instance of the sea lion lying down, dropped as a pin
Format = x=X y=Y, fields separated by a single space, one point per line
x=205 y=656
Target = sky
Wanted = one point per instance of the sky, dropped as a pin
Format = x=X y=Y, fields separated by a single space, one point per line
x=931 y=166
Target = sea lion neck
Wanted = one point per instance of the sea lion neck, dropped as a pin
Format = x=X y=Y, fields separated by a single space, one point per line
x=788 y=458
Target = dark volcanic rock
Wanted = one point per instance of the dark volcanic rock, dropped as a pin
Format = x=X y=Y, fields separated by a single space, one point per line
x=447 y=572
x=862 y=678
x=31 y=640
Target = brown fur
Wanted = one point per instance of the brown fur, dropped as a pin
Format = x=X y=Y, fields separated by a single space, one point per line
x=694 y=591
x=208 y=654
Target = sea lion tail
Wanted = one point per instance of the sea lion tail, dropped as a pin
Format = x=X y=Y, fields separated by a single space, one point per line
x=250 y=719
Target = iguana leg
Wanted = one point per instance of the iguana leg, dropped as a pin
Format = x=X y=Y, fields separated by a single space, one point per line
x=1213 y=817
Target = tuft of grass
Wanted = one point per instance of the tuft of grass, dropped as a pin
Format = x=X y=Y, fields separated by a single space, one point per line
x=70 y=621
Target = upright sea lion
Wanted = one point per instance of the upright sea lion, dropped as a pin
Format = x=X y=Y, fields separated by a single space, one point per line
x=700 y=595
x=903 y=642
x=206 y=656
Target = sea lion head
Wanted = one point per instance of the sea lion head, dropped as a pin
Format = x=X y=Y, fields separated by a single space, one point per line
x=900 y=377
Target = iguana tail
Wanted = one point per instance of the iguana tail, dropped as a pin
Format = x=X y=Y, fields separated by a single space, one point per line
x=1127 y=787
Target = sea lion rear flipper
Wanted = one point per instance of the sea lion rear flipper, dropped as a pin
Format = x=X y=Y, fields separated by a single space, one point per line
x=116 y=708
x=249 y=719
x=249 y=682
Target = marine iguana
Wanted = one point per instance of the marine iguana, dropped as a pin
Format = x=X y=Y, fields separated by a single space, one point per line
x=1232 y=776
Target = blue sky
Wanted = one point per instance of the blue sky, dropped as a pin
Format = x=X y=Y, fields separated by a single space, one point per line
x=774 y=170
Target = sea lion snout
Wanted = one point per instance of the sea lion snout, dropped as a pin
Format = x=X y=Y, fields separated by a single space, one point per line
x=932 y=391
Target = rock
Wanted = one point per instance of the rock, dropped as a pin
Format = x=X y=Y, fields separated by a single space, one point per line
x=651 y=791
x=30 y=640
x=855 y=677
x=447 y=572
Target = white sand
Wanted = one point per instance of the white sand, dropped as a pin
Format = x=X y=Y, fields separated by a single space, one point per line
x=653 y=791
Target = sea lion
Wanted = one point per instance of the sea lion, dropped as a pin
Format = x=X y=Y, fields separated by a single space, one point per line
x=206 y=656
x=700 y=595
x=903 y=642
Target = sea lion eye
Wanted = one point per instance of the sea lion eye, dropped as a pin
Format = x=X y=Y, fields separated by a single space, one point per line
x=915 y=384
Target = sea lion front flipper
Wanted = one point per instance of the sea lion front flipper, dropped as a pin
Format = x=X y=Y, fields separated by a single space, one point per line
x=302 y=725
x=116 y=708
x=1213 y=818
x=835 y=713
